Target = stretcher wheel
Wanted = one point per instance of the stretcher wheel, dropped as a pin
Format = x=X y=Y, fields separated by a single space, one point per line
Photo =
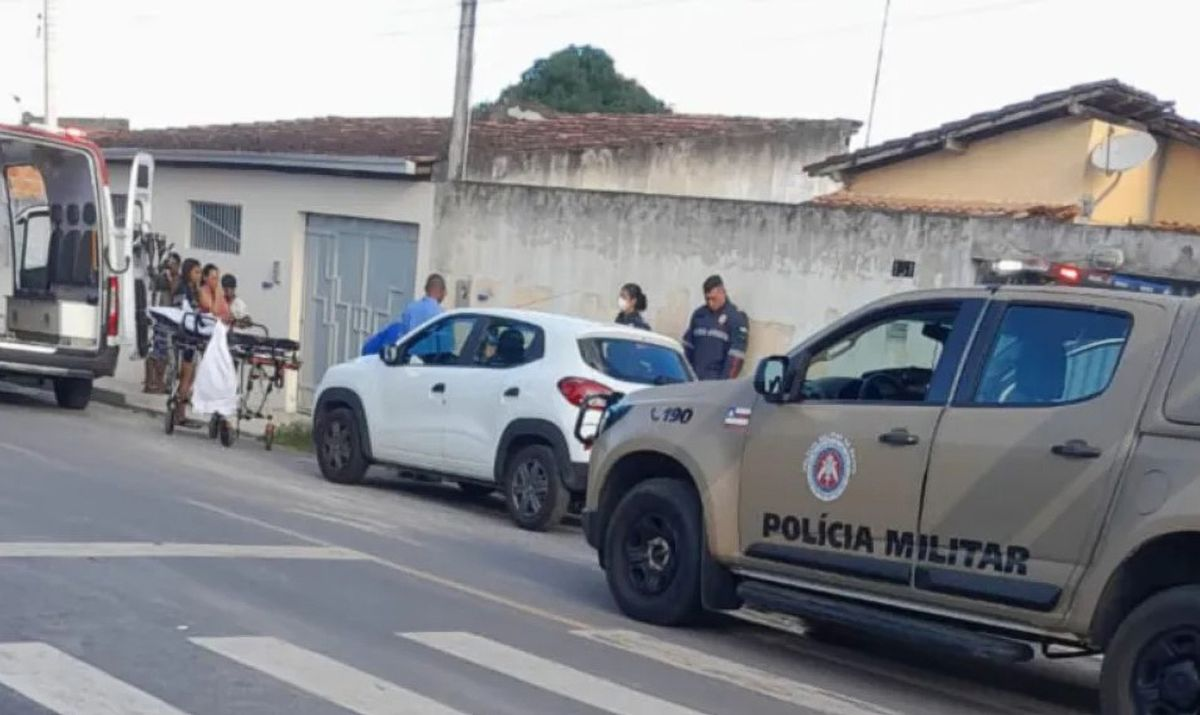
x=214 y=426
x=169 y=419
x=226 y=434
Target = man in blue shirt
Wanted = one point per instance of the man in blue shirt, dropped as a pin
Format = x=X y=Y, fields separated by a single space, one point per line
x=716 y=337
x=414 y=315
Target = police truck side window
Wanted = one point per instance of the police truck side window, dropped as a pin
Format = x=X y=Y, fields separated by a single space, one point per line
x=890 y=360
x=1046 y=355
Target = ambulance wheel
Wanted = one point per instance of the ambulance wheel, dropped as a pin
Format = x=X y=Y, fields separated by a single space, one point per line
x=339 y=447
x=73 y=393
x=533 y=488
x=652 y=549
x=1152 y=664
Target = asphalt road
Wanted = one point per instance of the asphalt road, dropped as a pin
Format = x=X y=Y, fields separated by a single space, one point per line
x=142 y=574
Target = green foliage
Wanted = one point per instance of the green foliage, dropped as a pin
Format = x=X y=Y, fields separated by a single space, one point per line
x=579 y=80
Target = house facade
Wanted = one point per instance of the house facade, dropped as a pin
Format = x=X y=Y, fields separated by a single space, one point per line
x=1036 y=155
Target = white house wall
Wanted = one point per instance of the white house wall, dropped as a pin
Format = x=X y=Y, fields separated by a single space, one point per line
x=274 y=207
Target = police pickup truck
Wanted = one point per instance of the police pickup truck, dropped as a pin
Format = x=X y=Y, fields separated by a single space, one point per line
x=983 y=469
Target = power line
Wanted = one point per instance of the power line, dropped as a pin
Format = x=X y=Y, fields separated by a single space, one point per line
x=887 y=7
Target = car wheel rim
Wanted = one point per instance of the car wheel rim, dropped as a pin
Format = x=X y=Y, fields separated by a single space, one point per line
x=336 y=445
x=530 y=488
x=651 y=554
x=1166 y=674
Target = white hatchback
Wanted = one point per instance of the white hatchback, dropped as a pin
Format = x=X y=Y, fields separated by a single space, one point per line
x=488 y=399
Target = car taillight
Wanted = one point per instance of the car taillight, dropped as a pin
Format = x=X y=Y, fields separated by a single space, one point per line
x=578 y=389
x=114 y=306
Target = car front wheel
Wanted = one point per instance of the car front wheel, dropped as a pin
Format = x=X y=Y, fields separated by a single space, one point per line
x=652 y=549
x=339 y=447
x=1152 y=665
x=533 y=488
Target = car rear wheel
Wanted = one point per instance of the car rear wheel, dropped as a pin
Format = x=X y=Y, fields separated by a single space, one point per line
x=1152 y=665
x=339 y=447
x=533 y=488
x=73 y=393
x=652 y=552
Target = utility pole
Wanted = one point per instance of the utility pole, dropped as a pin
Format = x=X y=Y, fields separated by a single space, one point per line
x=49 y=115
x=887 y=6
x=460 y=122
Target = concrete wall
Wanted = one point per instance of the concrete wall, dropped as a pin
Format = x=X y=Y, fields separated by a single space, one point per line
x=757 y=168
x=791 y=268
x=274 y=207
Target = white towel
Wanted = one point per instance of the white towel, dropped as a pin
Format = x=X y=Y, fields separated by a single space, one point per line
x=216 y=385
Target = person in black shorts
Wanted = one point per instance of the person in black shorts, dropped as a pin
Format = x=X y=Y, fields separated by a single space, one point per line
x=186 y=296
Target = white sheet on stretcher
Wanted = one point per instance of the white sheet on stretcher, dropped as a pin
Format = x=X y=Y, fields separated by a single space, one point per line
x=215 y=389
x=203 y=324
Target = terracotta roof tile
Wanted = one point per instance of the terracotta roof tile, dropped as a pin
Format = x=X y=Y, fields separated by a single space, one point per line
x=425 y=137
x=952 y=207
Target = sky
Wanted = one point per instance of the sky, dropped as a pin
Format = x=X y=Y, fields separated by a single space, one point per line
x=180 y=62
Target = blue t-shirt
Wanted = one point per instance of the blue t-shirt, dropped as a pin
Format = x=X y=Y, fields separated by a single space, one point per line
x=414 y=315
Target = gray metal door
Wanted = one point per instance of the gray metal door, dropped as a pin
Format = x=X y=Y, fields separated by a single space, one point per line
x=358 y=275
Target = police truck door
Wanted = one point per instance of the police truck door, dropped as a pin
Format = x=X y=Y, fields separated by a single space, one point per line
x=831 y=482
x=1025 y=461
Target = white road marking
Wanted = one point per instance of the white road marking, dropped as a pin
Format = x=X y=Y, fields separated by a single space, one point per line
x=546 y=674
x=743 y=676
x=136 y=549
x=362 y=524
x=406 y=570
x=67 y=686
x=324 y=677
x=49 y=461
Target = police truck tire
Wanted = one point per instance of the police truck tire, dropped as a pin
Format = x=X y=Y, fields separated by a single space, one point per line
x=653 y=551
x=73 y=393
x=533 y=488
x=339 y=447
x=1157 y=645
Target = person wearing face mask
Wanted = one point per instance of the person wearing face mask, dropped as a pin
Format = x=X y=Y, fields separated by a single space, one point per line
x=631 y=302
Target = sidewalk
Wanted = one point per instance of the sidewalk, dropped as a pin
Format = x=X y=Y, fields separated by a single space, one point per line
x=121 y=392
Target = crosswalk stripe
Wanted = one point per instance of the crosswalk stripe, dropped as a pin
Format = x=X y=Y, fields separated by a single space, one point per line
x=67 y=686
x=744 y=676
x=324 y=677
x=548 y=675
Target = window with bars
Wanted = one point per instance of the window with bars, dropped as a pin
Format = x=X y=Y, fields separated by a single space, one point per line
x=217 y=227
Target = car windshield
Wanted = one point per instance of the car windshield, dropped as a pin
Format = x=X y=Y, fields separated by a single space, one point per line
x=635 y=361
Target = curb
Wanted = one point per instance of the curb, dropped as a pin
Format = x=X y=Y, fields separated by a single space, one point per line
x=113 y=398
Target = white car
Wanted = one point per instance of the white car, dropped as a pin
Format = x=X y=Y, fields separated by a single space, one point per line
x=488 y=399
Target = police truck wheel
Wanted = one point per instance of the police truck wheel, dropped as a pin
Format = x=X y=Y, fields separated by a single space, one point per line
x=652 y=549
x=73 y=393
x=1152 y=664
x=533 y=488
x=339 y=447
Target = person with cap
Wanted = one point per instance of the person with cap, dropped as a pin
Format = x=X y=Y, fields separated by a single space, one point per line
x=716 y=337
x=417 y=313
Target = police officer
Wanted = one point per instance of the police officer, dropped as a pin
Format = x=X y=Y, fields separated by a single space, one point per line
x=716 y=337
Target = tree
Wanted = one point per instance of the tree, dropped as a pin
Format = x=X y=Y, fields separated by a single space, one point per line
x=578 y=80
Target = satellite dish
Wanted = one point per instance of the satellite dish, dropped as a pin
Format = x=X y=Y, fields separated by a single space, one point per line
x=1122 y=152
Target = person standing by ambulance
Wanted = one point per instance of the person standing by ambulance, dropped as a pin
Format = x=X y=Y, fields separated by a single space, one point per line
x=716 y=337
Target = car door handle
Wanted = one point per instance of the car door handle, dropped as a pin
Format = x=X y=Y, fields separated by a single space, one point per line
x=512 y=392
x=899 y=437
x=1076 y=449
x=438 y=389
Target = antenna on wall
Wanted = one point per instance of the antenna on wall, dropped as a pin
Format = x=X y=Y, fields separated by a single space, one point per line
x=1117 y=154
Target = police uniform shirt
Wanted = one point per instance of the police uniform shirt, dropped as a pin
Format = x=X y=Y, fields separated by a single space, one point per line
x=714 y=339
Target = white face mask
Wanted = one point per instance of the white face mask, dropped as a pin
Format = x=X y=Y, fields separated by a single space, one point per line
x=622 y=303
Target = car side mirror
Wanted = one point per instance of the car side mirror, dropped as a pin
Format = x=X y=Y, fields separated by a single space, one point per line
x=776 y=377
x=391 y=354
